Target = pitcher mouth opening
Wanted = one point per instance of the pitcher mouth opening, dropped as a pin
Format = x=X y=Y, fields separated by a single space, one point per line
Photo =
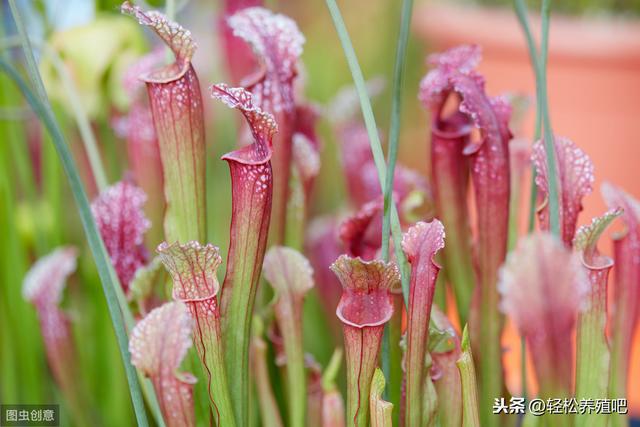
x=455 y=126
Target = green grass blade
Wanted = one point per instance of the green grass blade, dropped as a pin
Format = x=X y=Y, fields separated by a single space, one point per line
x=390 y=349
x=554 y=208
x=32 y=67
x=521 y=13
x=470 y=417
x=43 y=110
x=539 y=64
x=394 y=126
x=374 y=138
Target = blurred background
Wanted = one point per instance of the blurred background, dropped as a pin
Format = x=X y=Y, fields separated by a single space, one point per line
x=594 y=93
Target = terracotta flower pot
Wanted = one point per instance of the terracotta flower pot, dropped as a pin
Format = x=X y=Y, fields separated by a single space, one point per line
x=593 y=87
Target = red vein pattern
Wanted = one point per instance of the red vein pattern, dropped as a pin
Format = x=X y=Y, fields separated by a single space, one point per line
x=450 y=179
x=277 y=44
x=193 y=268
x=176 y=106
x=361 y=233
x=575 y=178
x=366 y=305
x=143 y=151
x=118 y=211
x=158 y=344
x=420 y=243
x=251 y=193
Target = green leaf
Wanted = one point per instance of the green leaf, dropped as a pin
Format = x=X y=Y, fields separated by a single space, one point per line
x=543 y=121
x=381 y=410
x=541 y=111
x=470 y=417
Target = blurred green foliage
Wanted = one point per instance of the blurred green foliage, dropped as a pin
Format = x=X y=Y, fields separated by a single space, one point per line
x=97 y=72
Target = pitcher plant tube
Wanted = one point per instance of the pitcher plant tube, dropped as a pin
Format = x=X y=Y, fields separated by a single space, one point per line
x=420 y=244
x=193 y=268
x=291 y=276
x=626 y=290
x=176 y=106
x=43 y=287
x=490 y=175
x=251 y=196
x=277 y=43
x=420 y=323
x=366 y=305
x=450 y=134
x=543 y=287
x=592 y=347
x=158 y=344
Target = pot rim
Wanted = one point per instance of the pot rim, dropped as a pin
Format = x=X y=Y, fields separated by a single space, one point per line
x=582 y=39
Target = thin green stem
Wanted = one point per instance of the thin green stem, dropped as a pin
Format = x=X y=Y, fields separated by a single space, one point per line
x=521 y=13
x=266 y=399
x=374 y=138
x=394 y=126
x=32 y=67
x=392 y=357
x=170 y=9
x=388 y=347
x=290 y=322
x=539 y=64
x=331 y=371
x=532 y=202
x=170 y=12
x=554 y=208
